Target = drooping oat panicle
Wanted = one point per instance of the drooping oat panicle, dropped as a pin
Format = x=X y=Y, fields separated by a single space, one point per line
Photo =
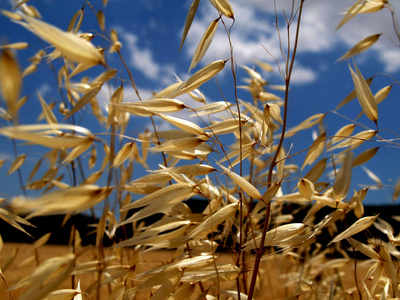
x=364 y=95
x=212 y=108
x=360 y=47
x=67 y=43
x=10 y=81
x=204 y=43
x=17 y=163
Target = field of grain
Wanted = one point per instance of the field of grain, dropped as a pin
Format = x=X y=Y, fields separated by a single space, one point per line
x=18 y=260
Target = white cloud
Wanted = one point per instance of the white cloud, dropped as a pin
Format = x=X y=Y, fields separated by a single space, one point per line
x=142 y=59
x=255 y=28
x=303 y=75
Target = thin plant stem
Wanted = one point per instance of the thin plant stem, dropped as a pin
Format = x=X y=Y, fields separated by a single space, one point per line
x=274 y=160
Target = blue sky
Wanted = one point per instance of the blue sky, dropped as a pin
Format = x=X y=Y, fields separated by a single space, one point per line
x=150 y=31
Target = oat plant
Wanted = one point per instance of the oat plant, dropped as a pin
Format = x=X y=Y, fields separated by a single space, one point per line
x=269 y=230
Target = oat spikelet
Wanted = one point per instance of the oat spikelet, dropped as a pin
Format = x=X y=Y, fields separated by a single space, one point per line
x=224 y=7
x=343 y=178
x=360 y=47
x=204 y=43
x=70 y=45
x=189 y=20
x=357 y=227
x=197 y=79
x=10 y=81
x=364 y=95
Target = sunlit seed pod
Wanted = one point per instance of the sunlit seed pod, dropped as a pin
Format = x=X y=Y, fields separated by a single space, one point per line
x=360 y=47
x=342 y=182
x=197 y=79
x=189 y=20
x=204 y=43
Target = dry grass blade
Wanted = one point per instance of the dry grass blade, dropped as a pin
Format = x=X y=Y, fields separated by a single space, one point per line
x=364 y=249
x=357 y=227
x=190 y=170
x=315 y=151
x=224 y=7
x=160 y=105
x=10 y=81
x=128 y=151
x=373 y=176
x=351 y=12
x=178 y=145
x=212 y=222
x=204 y=43
x=162 y=200
x=17 y=163
x=157 y=279
x=64 y=294
x=14 y=220
x=364 y=95
x=316 y=171
x=343 y=132
x=365 y=156
x=66 y=201
x=168 y=287
x=48 y=135
x=306 y=188
x=15 y=46
x=221 y=273
x=352 y=95
x=390 y=268
x=307 y=123
x=183 y=292
x=197 y=79
x=212 y=108
x=183 y=124
x=242 y=183
x=355 y=140
x=343 y=179
x=189 y=20
x=276 y=236
x=57 y=269
x=72 y=46
x=86 y=98
x=361 y=46
x=78 y=150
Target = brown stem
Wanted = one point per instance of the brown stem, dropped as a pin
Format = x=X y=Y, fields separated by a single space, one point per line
x=289 y=69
